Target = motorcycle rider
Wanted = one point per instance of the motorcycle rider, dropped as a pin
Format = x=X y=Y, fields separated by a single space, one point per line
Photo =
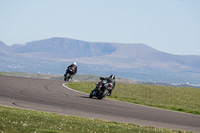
x=74 y=65
x=111 y=80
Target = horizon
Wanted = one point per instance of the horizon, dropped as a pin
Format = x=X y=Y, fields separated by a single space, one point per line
x=93 y=42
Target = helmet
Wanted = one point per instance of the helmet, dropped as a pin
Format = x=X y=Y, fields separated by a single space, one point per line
x=112 y=76
x=74 y=63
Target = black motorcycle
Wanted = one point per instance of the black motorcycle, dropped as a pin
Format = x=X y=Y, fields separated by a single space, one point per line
x=69 y=74
x=101 y=89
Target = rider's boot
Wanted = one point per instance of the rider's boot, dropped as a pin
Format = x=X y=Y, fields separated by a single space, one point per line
x=109 y=93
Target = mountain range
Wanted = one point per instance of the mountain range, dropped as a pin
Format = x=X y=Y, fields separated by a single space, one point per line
x=133 y=61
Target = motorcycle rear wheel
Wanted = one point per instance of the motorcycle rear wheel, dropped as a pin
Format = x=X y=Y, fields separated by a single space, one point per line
x=103 y=94
x=68 y=76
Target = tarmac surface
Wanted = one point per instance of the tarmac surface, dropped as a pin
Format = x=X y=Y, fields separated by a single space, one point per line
x=52 y=96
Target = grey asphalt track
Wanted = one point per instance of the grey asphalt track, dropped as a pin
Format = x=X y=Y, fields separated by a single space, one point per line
x=51 y=96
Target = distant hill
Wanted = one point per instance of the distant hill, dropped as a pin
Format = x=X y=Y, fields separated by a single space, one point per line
x=132 y=61
x=3 y=48
x=61 y=48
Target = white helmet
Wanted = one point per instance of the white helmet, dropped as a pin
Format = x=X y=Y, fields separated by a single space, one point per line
x=112 y=76
x=74 y=63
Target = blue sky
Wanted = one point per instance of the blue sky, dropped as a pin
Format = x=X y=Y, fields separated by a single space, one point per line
x=171 y=26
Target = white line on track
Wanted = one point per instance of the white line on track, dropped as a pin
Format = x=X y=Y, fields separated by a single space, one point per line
x=73 y=89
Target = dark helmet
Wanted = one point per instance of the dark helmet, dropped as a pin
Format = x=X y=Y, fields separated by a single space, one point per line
x=112 y=76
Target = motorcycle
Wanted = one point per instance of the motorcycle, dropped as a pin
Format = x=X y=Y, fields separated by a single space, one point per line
x=101 y=89
x=69 y=75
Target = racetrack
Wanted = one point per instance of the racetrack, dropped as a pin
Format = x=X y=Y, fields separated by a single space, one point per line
x=51 y=96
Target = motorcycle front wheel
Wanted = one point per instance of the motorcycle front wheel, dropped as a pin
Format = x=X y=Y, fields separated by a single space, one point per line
x=91 y=95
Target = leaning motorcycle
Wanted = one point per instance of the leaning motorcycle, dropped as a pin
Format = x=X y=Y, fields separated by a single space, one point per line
x=69 y=74
x=101 y=89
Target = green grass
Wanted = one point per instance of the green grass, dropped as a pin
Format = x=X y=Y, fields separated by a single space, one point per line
x=2 y=74
x=173 y=98
x=26 y=121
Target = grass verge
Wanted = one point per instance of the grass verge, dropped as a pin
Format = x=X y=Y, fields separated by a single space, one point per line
x=2 y=74
x=25 y=121
x=173 y=98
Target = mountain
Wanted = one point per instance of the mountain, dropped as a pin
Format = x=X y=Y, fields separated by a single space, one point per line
x=133 y=61
x=62 y=48
x=3 y=48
